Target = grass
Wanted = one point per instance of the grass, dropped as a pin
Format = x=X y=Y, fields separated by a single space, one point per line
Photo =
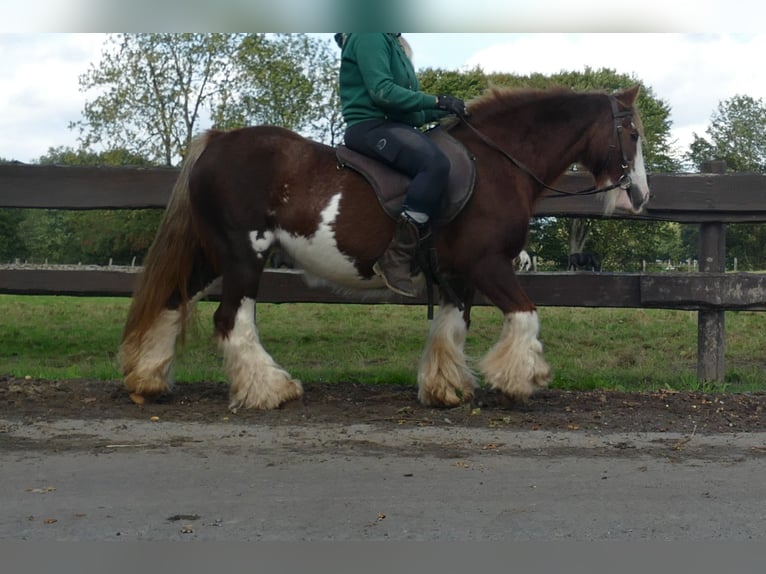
x=628 y=349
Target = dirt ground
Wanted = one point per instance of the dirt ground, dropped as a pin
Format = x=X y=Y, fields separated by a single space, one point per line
x=348 y=403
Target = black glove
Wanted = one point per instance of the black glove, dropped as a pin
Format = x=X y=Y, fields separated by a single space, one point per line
x=452 y=105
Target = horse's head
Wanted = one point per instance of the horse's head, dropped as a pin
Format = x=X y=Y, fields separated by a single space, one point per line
x=623 y=167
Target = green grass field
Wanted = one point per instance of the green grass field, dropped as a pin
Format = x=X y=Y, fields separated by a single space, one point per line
x=627 y=349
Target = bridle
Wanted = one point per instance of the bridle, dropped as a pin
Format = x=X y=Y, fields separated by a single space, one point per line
x=624 y=182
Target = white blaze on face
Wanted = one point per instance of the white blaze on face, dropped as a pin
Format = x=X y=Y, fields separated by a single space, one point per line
x=638 y=174
x=618 y=199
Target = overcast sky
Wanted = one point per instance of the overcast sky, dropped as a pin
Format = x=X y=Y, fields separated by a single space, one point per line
x=692 y=72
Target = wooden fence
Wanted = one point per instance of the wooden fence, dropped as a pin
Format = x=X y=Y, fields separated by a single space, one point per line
x=712 y=201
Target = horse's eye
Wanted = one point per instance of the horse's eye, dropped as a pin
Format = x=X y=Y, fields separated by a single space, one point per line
x=634 y=136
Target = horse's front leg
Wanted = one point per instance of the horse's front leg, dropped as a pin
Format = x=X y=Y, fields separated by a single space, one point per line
x=444 y=378
x=514 y=365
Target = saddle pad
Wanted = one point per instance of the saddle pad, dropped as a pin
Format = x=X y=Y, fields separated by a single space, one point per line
x=390 y=186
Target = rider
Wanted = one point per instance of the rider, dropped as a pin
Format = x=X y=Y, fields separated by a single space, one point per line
x=383 y=109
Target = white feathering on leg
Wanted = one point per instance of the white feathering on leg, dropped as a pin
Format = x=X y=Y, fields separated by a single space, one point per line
x=515 y=364
x=256 y=379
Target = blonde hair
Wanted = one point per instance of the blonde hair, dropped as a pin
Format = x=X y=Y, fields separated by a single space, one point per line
x=405 y=46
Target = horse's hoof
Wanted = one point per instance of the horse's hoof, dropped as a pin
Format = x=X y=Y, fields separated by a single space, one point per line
x=138 y=399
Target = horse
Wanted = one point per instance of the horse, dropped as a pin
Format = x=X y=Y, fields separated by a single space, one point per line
x=242 y=192
x=584 y=260
x=522 y=262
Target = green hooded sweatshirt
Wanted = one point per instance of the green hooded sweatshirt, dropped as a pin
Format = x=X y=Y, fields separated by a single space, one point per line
x=377 y=80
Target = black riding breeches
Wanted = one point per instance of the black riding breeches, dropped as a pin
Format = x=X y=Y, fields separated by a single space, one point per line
x=410 y=151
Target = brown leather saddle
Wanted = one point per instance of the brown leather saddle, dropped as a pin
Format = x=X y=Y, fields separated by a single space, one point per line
x=390 y=186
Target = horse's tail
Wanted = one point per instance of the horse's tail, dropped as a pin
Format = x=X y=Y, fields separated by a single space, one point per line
x=168 y=263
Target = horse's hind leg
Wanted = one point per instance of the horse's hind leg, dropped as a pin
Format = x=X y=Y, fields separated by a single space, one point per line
x=148 y=347
x=256 y=381
x=444 y=378
x=147 y=361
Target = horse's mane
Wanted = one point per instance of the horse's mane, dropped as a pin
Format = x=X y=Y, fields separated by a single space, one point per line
x=504 y=98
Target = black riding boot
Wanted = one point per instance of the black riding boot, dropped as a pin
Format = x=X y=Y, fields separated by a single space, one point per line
x=395 y=266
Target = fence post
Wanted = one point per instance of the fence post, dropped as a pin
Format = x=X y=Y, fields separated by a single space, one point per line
x=711 y=324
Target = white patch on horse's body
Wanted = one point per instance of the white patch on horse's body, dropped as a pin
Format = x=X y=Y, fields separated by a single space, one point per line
x=256 y=379
x=515 y=364
x=261 y=242
x=318 y=254
x=444 y=378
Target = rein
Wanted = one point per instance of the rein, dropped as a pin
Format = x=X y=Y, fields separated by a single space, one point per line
x=624 y=182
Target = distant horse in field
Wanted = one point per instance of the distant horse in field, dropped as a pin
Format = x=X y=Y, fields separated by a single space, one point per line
x=584 y=260
x=241 y=193
x=522 y=262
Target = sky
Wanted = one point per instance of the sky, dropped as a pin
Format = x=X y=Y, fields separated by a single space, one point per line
x=691 y=71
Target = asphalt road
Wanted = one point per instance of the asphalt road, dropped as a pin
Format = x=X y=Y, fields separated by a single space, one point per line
x=143 y=480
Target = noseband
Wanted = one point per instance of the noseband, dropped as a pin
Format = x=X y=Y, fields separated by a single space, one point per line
x=624 y=182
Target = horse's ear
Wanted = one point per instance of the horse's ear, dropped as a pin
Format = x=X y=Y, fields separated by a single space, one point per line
x=628 y=95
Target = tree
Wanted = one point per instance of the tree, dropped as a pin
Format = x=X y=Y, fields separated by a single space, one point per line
x=157 y=91
x=464 y=84
x=153 y=91
x=737 y=134
x=288 y=80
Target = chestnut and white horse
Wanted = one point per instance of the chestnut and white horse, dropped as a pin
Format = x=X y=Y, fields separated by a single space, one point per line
x=244 y=192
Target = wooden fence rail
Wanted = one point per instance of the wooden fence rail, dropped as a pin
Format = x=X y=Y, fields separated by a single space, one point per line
x=712 y=201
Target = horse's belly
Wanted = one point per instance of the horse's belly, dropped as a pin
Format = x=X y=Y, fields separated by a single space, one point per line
x=319 y=256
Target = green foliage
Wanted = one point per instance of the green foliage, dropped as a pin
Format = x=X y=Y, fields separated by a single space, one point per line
x=737 y=134
x=11 y=244
x=623 y=245
x=464 y=84
x=64 y=155
x=157 y=91
x=288 y=80
x=89 y=237
x=46 y=235
x=152 y=91
x=10 y=232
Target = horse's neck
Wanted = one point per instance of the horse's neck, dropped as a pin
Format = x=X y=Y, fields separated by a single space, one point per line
x=548 y=148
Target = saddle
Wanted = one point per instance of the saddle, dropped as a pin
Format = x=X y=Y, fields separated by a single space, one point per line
x=390 y=186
